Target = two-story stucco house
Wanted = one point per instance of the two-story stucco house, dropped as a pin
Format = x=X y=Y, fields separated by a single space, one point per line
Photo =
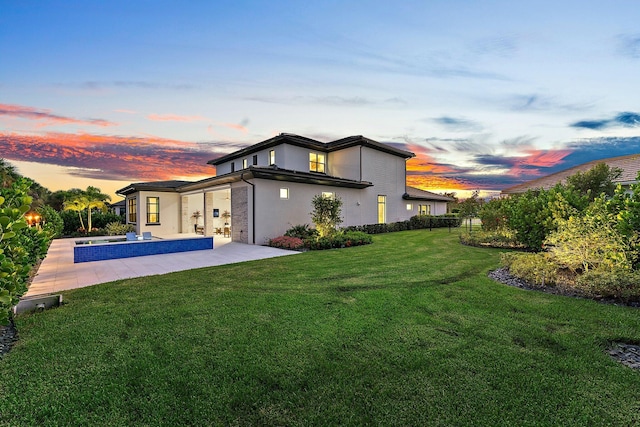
x=267 y=188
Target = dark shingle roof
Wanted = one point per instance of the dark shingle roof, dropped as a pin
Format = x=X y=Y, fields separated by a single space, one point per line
x=152 y=186
x=301 y=141
x=630 y=166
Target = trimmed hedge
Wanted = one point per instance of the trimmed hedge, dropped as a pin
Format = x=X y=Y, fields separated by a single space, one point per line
x=416 y=222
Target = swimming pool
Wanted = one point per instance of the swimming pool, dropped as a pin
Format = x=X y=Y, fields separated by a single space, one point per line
x=121 y=248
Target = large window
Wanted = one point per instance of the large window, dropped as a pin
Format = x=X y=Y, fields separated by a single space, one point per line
x=382 y=209
x=272 y=157
x=133 y=210
x=153 y=210
x=424 y=209
x=316 y=162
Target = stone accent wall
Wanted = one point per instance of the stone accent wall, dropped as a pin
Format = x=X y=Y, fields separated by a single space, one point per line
x=240 y=215
x=186 y=225
x=208 y=214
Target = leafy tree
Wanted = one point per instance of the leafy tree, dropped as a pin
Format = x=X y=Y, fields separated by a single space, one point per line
x=51 y=221
x=492 y=215
x=470 y=207
x=596 y=181
x=326 y=214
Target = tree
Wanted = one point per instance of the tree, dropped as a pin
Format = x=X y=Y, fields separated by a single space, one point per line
x=596 y=181
x=95 y=200
x=77 y=204
x=469 y=208
x=89 y=199
x=326 y=214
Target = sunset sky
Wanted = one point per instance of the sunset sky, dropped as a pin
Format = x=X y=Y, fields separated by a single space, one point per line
x=486 y=94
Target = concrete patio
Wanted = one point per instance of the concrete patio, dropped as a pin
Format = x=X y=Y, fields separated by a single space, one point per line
x=59 y=273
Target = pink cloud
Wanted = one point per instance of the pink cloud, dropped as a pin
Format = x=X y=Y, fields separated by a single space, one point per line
x=46 y=118
x=113 y=157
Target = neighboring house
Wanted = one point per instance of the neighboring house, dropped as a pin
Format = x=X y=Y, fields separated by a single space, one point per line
x=118 y=207
x=630 y=166
x=267 y=188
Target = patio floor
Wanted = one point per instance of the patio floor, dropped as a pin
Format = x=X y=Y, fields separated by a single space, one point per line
x=58 y=272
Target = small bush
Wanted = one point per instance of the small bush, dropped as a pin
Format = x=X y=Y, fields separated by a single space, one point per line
x=623 y=285
x=302 y=231
x=286 y=242
x=499 y=238
x=118 y=229
x=536 y=268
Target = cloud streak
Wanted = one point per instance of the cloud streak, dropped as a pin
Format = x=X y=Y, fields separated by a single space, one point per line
x=46 y=118
x=625 y=119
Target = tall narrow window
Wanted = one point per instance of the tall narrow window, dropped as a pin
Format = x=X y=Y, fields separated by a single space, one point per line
x=133 y=210
x=245 y=163
x=153 y=210
x=255 y=160
x=382 y=209
x=233 y=167
x=272 y=157
x=316 y=162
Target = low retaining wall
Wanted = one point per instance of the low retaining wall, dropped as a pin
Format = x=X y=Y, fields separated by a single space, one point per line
x=104 y=251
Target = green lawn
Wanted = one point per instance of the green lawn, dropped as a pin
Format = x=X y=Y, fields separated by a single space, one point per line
x=407 y=331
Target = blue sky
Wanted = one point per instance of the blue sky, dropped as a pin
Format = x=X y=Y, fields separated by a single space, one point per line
x=487 y=94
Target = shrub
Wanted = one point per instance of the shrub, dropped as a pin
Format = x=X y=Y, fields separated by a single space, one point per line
x=51 y=221
x=286 y=242
x=326 y=213
x=623 y=285
x=536 y=268
x=118 y=229
x=498 y=238
x=590 y=240
x=302 y=231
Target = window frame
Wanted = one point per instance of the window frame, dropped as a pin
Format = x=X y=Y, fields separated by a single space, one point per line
x=286 y=190
x=272 y=157
x=424 y=209
x=382 y=209
x=150 y=204
x=315 y=163
x=132 y=210
x=245 y=163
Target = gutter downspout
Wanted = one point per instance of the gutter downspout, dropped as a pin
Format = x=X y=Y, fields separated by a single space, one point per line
x=253 y=208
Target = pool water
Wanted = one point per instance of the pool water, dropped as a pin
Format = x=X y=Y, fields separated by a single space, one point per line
x=101 y=241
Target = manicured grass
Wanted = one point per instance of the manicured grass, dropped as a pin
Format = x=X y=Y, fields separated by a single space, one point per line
x=406 y=331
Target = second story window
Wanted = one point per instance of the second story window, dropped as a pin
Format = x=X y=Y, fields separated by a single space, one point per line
x=233 y=167
x=272 y=157
x=316 y=162
x=255 y=160
x=245 y=163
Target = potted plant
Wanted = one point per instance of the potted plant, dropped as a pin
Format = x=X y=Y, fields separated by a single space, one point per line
x=226 y=215
x=196 y=215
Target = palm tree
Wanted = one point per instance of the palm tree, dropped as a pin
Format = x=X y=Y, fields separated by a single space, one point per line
x=95 y=199
x=8 y=173
x=77 y=204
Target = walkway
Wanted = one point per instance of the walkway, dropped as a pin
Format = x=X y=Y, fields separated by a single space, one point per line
x=58 y=272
